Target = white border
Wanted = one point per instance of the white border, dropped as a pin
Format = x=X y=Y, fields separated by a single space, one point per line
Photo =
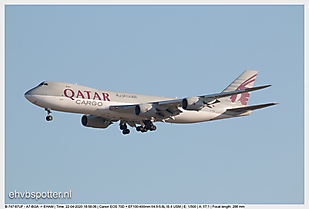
x=98 y=2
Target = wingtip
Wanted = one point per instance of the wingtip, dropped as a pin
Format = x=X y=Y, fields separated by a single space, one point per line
x=264 y=86
x=274 y=103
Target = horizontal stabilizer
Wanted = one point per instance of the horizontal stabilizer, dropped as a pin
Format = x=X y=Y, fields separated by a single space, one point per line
x=253 y=107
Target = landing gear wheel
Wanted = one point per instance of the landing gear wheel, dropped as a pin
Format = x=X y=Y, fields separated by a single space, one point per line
x=149 y=126
x=49 y=117
x=144 y=129
x=125 y=131
x=123 y=126
x=153 y=128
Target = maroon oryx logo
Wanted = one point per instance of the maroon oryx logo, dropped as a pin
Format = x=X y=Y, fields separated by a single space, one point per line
x=244 y=96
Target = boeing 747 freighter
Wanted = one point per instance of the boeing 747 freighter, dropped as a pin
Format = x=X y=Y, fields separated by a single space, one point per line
x=102 y=108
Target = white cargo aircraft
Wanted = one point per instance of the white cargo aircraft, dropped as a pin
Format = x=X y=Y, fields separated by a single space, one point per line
x=102 y=108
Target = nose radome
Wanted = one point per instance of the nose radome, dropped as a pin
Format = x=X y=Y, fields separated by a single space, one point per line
x=27 y=94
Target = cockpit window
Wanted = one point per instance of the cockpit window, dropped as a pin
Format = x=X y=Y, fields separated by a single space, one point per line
x=43 y=83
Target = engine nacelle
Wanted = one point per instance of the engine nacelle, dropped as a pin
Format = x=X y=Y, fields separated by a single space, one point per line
x=145 y=110
x=192 y=103
x=95 y=121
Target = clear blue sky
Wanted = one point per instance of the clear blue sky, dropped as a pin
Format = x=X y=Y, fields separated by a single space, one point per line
x=173 y=51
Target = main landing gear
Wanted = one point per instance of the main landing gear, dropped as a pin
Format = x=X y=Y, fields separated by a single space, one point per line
x=148 y=126
x=48 y=117
x=124 y=129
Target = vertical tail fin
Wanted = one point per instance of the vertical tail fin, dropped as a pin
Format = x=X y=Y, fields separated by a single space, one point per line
x=244 y=81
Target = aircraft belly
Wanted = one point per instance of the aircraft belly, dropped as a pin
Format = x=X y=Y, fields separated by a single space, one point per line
x=115 y=115
x=193 y=117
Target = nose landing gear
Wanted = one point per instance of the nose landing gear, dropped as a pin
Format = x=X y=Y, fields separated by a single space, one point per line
x=48 y=117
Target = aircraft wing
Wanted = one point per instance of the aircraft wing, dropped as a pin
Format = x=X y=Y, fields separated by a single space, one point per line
x=212 y=97
x=127 y=109
x=170 y=108
x=164 y=108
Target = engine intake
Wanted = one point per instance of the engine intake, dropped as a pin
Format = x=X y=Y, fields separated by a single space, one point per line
x=192 y=103
x=95 y=121
x=145 y=110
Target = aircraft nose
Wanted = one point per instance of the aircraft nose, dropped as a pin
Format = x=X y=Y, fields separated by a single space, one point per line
x=27 y=94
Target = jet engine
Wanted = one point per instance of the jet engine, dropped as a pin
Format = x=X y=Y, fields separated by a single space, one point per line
x=95 y=121
x=145 y=110
x=192 y=103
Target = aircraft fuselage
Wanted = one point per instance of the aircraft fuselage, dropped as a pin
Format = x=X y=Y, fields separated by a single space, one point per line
x=73 y=98
x=101 y=108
